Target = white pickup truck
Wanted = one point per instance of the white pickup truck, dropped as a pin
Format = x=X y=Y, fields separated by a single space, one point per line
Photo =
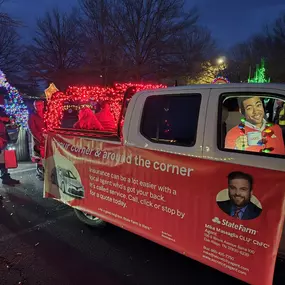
x=193 y=167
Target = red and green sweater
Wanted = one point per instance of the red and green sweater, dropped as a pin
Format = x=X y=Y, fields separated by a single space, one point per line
x=275 y=141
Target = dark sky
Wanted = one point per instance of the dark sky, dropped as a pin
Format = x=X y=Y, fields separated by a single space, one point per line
x=229 y=21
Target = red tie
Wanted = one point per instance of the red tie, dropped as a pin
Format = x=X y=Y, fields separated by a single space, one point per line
x=236 y=214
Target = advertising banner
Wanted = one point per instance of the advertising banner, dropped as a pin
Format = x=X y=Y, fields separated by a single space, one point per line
x=227 y=216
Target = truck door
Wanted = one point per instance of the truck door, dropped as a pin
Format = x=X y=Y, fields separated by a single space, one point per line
x=226 y=111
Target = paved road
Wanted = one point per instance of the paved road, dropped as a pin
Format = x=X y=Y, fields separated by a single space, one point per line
x=42 y=242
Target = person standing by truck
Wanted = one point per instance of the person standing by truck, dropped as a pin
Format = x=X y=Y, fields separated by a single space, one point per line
x=36 y=125
x=4 y=138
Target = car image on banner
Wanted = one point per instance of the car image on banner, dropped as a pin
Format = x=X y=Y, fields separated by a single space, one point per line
x=66 y=179
x=67 y=182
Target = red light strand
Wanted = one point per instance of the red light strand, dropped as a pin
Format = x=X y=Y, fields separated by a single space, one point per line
x=79 y=96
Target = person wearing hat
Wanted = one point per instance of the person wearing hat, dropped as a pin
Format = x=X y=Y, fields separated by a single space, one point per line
x=254 y=133
x=36 y=125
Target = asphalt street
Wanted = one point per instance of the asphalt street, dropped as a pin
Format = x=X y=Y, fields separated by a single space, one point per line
x=42 y=242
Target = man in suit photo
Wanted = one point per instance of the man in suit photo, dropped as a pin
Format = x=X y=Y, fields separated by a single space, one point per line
x=239 y=204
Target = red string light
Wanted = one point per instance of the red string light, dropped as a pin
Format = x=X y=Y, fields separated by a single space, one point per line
x=82 y=96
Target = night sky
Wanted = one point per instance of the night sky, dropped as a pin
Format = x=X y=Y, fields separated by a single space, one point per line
x=229 y=21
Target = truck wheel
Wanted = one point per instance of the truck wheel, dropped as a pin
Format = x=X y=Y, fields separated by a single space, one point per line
x=89 y=220
x=30 y=144
x=22 y=146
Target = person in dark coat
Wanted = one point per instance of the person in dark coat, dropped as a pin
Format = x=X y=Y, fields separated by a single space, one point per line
x=239 y=205
x=4 y=138
x=36 y=125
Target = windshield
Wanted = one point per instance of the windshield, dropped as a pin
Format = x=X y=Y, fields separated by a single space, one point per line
x=70 y=174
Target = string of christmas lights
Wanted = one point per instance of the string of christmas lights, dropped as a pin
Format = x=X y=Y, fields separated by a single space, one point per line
x=76 y=98
x=15 y=106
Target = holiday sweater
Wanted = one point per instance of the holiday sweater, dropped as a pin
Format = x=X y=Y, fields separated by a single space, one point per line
x=274 y=141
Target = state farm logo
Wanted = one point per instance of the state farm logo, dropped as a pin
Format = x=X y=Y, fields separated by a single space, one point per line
x=232 y=225
x=216 y=220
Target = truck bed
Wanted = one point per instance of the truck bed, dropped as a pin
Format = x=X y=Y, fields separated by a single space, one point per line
x=111 y=136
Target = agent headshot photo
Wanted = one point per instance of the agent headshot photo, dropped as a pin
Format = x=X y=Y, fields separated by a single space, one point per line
x=239 y=201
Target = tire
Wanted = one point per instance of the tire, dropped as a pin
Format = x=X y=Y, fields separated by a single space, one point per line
x=30 y=144
x=94 y=223
x=22 y=146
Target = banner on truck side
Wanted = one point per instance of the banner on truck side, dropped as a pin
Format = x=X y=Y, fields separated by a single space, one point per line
x=186 y=204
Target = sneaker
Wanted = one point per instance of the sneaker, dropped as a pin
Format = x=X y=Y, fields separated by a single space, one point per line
x=40 y=177
x=10 y=181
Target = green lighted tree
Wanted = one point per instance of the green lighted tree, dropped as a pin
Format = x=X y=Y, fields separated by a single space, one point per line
x=259 y=76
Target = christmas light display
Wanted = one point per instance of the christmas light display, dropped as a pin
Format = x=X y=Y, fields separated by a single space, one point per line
x=259 y=76
x=15 y=106
x=220 y=80
x=265 y=134
x=77 y=98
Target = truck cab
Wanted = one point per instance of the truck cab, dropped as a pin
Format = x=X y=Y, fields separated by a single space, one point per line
x=193 y=121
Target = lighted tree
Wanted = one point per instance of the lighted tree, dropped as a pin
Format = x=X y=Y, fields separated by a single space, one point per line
x=208 y=74
x=259 y=76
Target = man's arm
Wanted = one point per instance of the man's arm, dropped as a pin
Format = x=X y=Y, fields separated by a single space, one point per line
x=230 y=140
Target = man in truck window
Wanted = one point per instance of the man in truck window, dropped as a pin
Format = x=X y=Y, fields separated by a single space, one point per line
x=239 y=205
x=254 y=133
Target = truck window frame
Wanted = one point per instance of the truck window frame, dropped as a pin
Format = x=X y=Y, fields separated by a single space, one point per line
x=219 y=121
x=199 y=95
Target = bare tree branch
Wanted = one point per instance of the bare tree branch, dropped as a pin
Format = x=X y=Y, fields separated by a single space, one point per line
x=57 y=47
x=128 y=39
x=103 y=54
x=6 y=20
x=193 y=48
x=9 y=49
x=146 y=29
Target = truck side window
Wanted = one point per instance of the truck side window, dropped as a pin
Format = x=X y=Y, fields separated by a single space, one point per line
x=169 y=119
x=252 y=123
